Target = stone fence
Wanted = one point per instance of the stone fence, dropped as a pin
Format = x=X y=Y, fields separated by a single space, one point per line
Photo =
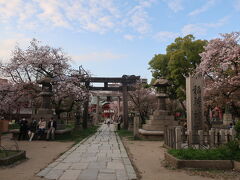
x=176 y=137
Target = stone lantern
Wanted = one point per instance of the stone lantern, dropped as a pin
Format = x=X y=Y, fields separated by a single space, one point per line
x=154 y=127
x=161 y=85
x=46 y=94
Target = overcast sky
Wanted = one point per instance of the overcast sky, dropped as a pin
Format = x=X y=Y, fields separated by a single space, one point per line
x=113 y=37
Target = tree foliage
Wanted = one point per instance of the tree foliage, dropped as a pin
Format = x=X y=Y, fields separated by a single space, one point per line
x=181 y=58
x=220 y=65
x=143 y=100
x=27 y=66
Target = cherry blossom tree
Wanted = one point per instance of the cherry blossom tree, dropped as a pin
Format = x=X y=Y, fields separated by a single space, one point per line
x=28 y=66
x=143 y=100
x=220 y=66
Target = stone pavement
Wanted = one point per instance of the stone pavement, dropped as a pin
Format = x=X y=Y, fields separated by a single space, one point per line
x=100 y=157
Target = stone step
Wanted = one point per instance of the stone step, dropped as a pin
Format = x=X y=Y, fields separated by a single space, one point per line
x=160 y=112
x=153 y=128
x=167 y=122
x=161 y=118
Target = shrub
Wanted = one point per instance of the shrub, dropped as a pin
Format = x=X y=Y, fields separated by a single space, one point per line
x=230 y=151
x=14 y=126
x=237 y=128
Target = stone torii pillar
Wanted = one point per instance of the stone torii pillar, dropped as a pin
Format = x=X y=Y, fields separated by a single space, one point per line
x=97 y=109
x=119 y=99
x=125 y=106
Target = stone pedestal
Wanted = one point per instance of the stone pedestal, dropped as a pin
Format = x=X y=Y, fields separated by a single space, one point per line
x=154 y=127
x=227 y=119
x=159 y=120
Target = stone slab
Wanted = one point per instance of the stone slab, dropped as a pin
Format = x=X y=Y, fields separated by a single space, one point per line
x=70 y=175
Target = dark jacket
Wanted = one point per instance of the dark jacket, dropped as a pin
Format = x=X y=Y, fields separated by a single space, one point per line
x=54 y=124
x=33 y=126
x=23 y=125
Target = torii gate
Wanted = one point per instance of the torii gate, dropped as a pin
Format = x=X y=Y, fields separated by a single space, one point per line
x=126 y=85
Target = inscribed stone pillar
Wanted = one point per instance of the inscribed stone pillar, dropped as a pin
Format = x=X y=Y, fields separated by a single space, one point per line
x=194 y=103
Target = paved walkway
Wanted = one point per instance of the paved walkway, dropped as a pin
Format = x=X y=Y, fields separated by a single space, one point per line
x=100 y=157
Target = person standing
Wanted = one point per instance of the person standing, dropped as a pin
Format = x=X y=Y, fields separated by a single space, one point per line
x=41 y=127
x=32 y=129
x=52 y=126
x=23 y=129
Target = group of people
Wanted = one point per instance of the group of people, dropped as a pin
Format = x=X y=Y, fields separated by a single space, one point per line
x=28 y=131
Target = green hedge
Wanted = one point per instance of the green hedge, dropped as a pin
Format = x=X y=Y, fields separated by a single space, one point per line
x=14 y=126
x=230 y=151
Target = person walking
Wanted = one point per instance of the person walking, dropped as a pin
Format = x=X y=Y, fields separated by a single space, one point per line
x=41 y=127
x=52 y=126
x=108 y=122
x=32 y=129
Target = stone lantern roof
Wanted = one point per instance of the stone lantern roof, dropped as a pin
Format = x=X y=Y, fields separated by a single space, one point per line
x=45 y=80
x=161 y=83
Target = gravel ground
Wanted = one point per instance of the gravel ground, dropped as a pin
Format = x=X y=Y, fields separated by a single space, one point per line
x=39 y=155
x=148 y=159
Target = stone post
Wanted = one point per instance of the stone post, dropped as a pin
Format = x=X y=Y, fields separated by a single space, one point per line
x=178 y=133
x=216 y=136
x=232 y=133
x=136 y=126
x=211 y=138
x=200 y=133
x=189 y=137
x=226 y=135
x=222 y=136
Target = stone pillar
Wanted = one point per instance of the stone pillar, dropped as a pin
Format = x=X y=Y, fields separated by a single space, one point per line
x=136 y=126
x=200 y=133
x=178 y=133
x=194 y=104
x=119 y=99
x=97 y=110
x=125 y=106
x=211 y=137
x=162 y=101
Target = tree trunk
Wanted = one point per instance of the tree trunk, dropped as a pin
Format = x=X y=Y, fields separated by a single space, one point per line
x=184 y=108
x=85 y=115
